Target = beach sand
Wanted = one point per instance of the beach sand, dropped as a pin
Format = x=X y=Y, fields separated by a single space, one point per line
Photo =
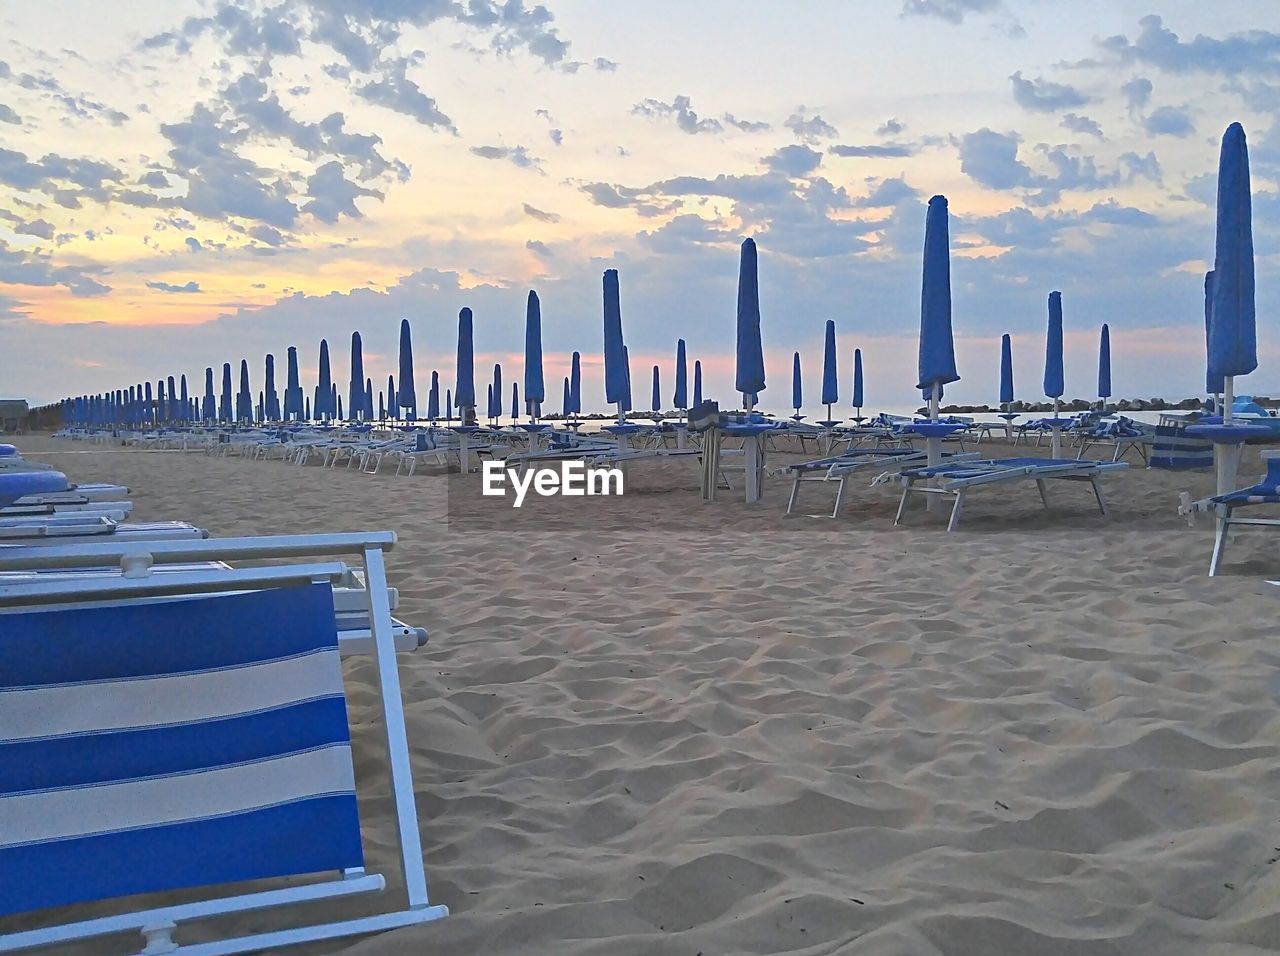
x=670 y=727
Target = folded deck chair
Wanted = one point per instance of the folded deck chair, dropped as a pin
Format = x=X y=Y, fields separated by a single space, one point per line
x=955 y=480
x=134 y=763
x=88 y=529
x=841 y=468
x=1265 y=492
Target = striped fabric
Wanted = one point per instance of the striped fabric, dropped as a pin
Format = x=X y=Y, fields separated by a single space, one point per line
x=1174 y=449
x=166 y=744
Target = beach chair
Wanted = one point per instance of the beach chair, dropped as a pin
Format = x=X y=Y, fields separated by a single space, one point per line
x=957 y=479
x=137 y=763
x=1223 y=507
x=841 y=468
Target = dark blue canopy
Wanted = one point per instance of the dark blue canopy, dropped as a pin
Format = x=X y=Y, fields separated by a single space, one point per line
x=355 y=386
x=937 y=365
x=615 y=370
x=681 y=399
x=749 y=373
x=1233 y=348
x=534 y=386
x=1006 y=369
x=1053 y=374
x=465 y=396
x=406 y=396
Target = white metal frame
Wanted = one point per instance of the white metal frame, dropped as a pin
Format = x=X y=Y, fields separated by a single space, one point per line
x=138 y=563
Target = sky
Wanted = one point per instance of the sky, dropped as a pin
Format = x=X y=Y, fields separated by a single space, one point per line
x=184 y=184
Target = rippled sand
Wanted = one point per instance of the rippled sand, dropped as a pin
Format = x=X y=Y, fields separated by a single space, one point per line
x=654 y=725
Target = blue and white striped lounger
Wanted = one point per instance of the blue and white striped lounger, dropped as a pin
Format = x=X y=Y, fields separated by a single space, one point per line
x=955 y=480
x=1265 y=492
x=132 y=762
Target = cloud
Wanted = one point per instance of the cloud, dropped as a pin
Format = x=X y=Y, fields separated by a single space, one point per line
x=794 y=160
x=953 y=11
x=534 y=213
x=193 y=244
x=1042 y=96
x=809 y=129
x=890 y=127
x=613 y=196
x=1169 y=121
x=40 y=228
x=889 y=192
x=557 y=136
x=267 y=235
x=1081 y=124
x=517 y=155
x=36 y=268
x=1137 y=93
x=686 y=119
x=603 y=65
x=1254 y=52
x=746 y=126
x=333 y=195
x=539 y=248
x=873 y=151
x=396 y=91
x=189 y=286
x=7 y=115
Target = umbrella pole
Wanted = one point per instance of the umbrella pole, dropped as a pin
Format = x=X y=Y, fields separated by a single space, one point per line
x=1055 y=444
x=1226 y=457
x=933 y=449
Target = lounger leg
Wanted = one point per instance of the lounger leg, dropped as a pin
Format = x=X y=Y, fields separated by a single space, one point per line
x=795 y=493
x=955 y=511
x=1219 y=545
x=1044 y=492
x=1097 y=493
x=902 y=505
x=839 y=496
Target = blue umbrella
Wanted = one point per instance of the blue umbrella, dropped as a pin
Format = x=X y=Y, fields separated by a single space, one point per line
x=393 y=405
x=830 y=388
x=857 y=380
x=1053 y=374
x=1006 y=369
x=161 y=413
x=495 y=396
x=657 y=391
x=626 y=371
x=406 y=397
x=749 y=374
x=306 y=408
x=225 y=411
x=1104 y=366
x=797 y=388
x=615 y=361
x=697 y=384
x=566 y=406
x=260 y=413
x=1233 y=348
x=367 y=406
x=534 y=387
x=448 y=405
x=575 y=384
x=293 y=388
x=244 y=397
x=270 y=399
x=326 y=401
x=1213 y=384
x=355 y=387
x=186 y=402
x=465 y=395
x=382 y=407
x=515 y=401
x=937 y=365
x=433 y=397
x=173 y=399
x=210 y=401
x=335 y=405
x=338 y=401
x=681 y=400
x=489 y=409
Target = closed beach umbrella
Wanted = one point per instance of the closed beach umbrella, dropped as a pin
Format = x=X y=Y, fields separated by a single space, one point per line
x=495 y=400
x=174 y=414
x=160 y=409
x=1006 y=369
x=566 y=406
x=355 y=386
x=306 y=408
x=1233 y=348
x=392 y=404
x=830 y=386
x=382 y=406
x=210 y=400
x=1213 y=383
x=293 y=388
x=749 y=371
x=937 y=361
x=626 y=379
x=615 y=371
x=186 y=401
x=515 y=401
x=1053 y=373
x=448 y=405
x=534 y=386
x=367 y=407
x=406 y=397
x=433 y=397
x=575 y=383
x=335 y=404
x=244 y=397
x=657 y=391
x=338 y=401
x=489 y=409
x=681 y=400
x=465 y=393
x=1104 y=365
x=326 y=404
x=857 y=381
x=271 y=398
x=797 y=389
x=226 y=412
x=697 y=384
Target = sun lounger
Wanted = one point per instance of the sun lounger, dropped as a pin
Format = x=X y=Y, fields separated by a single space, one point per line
x=137 y=763
x=1223 y=507
x=955 y=480
x=842 y=468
